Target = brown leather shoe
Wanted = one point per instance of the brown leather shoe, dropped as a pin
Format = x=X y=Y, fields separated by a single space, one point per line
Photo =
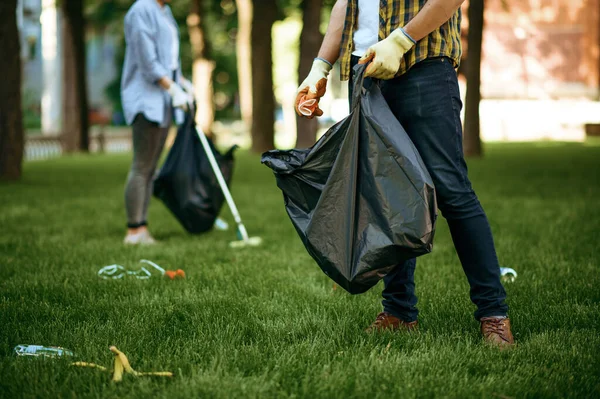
x=497 y=331
x=386 y=321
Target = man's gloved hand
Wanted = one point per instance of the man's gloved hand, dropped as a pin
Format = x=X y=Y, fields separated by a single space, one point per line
x=179 y=98
x=312 y=89
x=385 y=56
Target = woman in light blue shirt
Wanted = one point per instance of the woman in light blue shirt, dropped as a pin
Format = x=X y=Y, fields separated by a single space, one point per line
x=152 y=96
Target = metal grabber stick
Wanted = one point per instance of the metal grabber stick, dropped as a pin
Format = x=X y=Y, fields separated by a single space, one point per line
x=244 y=240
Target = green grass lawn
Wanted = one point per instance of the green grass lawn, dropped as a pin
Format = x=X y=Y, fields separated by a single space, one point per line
x=266 y=322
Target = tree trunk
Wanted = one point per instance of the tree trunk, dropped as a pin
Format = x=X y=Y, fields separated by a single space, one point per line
x=598 y=58
x=263 y=99
x=75 y=103
x=243 y=53
x=52 y=58
x=310 y=41
x=472 y=140
x=11 y=114
x=202 y=68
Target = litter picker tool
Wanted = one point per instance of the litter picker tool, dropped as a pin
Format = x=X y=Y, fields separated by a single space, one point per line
x=242 y=234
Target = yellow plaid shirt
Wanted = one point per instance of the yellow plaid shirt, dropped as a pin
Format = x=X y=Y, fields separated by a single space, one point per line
x=444 y=41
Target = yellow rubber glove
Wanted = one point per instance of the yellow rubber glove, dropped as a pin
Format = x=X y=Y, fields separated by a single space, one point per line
x=385 y=56
x=312 y=89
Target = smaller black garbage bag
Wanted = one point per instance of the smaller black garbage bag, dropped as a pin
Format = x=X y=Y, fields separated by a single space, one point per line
x=186 y=182
x=361 y=198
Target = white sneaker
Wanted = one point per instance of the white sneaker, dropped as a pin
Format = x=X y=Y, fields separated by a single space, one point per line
x=141 y=238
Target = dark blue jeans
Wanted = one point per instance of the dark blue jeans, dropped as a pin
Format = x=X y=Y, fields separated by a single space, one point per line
x=427 y=103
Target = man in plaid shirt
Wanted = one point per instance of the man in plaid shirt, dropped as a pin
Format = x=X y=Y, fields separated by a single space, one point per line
x=414 y=46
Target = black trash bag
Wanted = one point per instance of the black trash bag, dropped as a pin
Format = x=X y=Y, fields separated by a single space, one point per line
x=186 y=182
x=361 y=198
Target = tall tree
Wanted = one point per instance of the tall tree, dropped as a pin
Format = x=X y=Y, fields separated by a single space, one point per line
x=75 y=100
x=203 y=66
x=598 y=58
x=472 y=139
x=264 y=16
x=11 y=114
x=310 y=41
x=243 y=52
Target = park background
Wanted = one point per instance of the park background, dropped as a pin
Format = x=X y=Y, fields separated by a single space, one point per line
x=265 y=321
x=539 y=69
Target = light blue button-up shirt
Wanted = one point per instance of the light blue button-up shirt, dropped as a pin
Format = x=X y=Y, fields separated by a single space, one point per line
x=148 y=58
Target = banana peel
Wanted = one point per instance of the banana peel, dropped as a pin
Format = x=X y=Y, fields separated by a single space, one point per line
x=90 y=365
x=122 y=366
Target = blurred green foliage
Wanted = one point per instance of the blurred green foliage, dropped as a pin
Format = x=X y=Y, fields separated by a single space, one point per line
x=220 y=18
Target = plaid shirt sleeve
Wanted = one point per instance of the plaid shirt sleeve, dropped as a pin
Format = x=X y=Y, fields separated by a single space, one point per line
x=346 y=45
x=442 y=42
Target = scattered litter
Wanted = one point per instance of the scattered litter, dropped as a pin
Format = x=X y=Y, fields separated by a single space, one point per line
x=122 y=366
x=387 y=348
x=508 y=275
x=90 y=365
x=221 y=225
x=42 y=351
x=172 y=274
x=115 y=272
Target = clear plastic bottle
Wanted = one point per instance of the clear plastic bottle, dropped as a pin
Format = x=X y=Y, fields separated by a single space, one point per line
x=44 y=351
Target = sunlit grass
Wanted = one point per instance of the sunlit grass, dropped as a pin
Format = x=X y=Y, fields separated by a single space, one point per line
x=266 y=322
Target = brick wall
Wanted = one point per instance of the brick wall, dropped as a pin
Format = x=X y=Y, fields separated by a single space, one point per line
x=541 y=49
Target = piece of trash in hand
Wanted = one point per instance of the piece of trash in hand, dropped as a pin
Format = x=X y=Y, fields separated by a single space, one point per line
x=307 y=107
x=42 y=351
x=507 y=274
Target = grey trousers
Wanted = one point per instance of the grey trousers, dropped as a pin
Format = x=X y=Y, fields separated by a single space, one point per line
x=148 y=142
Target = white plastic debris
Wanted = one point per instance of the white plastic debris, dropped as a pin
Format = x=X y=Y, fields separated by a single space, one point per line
x=42 y=351
x=507 y=274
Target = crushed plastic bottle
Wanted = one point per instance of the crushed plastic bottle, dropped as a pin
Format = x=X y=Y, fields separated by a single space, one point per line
x=114 y=272
x=42 y=351
x=507 y=274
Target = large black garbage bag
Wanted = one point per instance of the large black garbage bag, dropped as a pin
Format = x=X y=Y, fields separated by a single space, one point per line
x=361 y=198
x=186 y=182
